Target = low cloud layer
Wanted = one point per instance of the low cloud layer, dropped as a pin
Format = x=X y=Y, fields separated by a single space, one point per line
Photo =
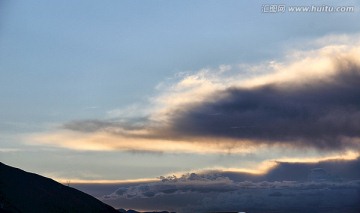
x=221 y=192
x=248 y=197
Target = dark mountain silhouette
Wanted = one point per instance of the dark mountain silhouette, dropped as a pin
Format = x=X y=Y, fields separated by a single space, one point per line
x=22 y=191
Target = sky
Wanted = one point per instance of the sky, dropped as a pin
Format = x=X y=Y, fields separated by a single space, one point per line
x=130 y=90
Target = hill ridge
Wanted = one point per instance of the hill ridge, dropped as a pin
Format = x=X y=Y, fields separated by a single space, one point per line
x=22 y=191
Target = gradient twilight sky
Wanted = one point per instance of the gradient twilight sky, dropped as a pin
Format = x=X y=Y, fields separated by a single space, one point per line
x=130 y=89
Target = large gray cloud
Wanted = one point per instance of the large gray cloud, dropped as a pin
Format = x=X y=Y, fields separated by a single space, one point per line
x=319 y=110
x=318 y=113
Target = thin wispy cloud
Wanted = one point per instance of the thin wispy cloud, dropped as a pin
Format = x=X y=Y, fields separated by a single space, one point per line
x=10 y=150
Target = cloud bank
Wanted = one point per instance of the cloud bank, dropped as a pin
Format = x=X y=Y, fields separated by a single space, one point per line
x=209 y=192
x=310 y=99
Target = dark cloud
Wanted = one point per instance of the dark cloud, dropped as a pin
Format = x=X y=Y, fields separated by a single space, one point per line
x=337 y=169
x=318 y=113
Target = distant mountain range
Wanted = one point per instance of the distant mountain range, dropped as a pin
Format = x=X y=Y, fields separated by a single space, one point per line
x=26 y=192
x=134 y=211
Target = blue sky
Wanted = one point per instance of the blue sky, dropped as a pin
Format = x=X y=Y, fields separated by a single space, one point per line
x=65 y=63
